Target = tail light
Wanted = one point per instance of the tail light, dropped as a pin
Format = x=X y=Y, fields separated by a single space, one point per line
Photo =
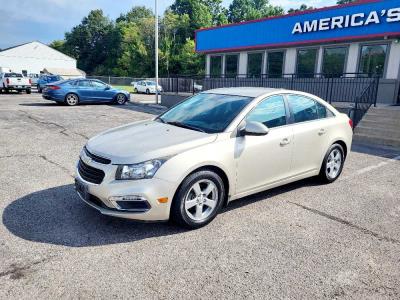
x=54 y=87
x=8 y=81
x=30 y=81
x=351 y=123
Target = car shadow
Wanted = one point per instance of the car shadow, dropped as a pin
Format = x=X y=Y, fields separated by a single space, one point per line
x=57 y=216
x=142 y=108
x=39 y=104
x=376 y=150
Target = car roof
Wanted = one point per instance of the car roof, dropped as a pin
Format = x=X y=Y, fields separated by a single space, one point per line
x=244 y=91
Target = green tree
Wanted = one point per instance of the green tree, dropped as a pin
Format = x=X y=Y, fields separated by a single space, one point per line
x=244 y=10
x=58 y=45
x=346 y=1
x=92 y=42
x=302 y=7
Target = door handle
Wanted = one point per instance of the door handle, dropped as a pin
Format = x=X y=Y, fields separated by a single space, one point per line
x=285 y=142
x=321 y=131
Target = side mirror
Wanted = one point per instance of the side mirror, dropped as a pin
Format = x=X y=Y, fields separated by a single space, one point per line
x=107 y=88
x=253 y=129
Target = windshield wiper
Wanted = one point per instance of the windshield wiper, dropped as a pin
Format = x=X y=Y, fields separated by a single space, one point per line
x=183 y=125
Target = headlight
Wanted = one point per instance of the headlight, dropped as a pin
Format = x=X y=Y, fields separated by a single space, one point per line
x=143 y=170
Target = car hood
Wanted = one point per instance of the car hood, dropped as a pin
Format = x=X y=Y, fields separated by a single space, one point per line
x=145 y=140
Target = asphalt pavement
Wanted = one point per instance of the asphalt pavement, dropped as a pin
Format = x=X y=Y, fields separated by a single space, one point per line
x=300 y=241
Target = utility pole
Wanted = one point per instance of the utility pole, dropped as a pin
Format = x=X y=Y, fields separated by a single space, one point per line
x=156 y=48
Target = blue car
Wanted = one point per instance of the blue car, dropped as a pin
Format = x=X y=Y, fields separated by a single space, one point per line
x=74 y=91
x=46 y=79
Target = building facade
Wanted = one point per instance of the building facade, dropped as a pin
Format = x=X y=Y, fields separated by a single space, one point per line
x=33 y=58
x=357 y=39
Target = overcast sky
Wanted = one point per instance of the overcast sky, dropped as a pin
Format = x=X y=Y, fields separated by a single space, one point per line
x=46 y=20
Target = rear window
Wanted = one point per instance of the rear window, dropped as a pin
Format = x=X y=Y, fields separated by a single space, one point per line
x=54 y=78
x=13 y=75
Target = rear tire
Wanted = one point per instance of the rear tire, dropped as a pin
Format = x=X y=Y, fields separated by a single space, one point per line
x=71 y=99
x=198 y=199
x=28 y=91
x=120 y=99
x=333 y=163
x=135 y=90
x=39 y=89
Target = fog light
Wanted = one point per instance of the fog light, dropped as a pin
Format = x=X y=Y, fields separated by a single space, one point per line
x=127 y=198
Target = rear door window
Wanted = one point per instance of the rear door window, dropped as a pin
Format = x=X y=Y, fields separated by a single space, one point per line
x=303 y=109
x=84 y=83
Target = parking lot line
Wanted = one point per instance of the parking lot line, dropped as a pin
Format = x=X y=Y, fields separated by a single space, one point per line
x=372 y=167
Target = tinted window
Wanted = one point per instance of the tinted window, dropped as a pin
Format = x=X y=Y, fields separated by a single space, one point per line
x=275 y=64
x=215 y=65
x=271 y=112
x=306 y=61
x=373 y=58
x=303 y=108
x=333 y=61
x=208 y=112
x=98 y=84
x=254 y=64
x=13 y=75
x=231 y=65
x=84 y=83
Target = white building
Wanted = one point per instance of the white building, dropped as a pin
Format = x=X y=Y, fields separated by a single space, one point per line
x=34 y=57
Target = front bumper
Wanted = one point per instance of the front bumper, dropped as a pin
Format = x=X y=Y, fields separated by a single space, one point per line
x=101 y=196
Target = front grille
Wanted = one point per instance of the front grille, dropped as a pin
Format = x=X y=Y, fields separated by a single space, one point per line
x=89 y=173
x=97 y=158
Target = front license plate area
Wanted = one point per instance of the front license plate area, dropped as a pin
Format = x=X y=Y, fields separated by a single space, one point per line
x=81 y=189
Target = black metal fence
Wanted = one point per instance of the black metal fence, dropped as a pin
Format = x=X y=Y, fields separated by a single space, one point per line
x=357 y=90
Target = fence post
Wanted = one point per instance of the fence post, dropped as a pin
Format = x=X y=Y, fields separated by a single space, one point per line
x=376 y=90
x=327 y=91
x=292 y=82
x=193 y=86
x=109 y=79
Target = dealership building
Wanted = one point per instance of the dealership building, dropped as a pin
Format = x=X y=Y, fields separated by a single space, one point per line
x=351 y=40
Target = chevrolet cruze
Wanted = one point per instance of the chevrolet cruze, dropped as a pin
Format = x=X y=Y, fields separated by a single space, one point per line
x=215 y=147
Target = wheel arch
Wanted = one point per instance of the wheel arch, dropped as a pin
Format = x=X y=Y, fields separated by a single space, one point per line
x=219 y=171
x=344 y=146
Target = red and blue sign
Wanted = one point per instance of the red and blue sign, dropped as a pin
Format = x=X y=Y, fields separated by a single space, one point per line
x=368 y=19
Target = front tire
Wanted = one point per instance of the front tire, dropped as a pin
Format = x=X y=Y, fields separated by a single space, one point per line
x=71 y=99
x=120 y=99
x=198 y=199
x=39 y=89
x=333 y=163
x=147 y=91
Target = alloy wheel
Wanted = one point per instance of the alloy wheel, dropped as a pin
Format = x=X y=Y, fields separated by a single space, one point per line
x=120 y=99
x=72 y=99
x=201 y=200
x=334 y=163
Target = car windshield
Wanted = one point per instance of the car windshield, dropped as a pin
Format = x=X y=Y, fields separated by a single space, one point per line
x=13 y=75
x=211 y=113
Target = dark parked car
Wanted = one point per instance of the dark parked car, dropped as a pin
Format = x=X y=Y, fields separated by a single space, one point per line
x=74 y=91
x=46 y=79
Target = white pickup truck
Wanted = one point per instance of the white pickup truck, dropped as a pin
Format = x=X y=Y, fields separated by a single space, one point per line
x=15 y=81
